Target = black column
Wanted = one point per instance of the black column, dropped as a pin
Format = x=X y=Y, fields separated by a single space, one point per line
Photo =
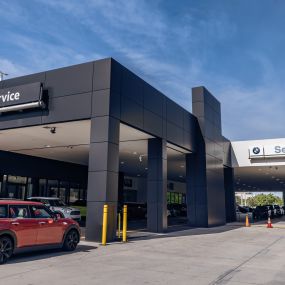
x=209 y=155
x=102 y=176
x=197 y=207
x=229 y=194
x=157 y=186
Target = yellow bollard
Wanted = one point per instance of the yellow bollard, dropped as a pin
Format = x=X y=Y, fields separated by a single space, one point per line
x=247 y=224
x=104 y=226
x=125 y=211
x=119 y=225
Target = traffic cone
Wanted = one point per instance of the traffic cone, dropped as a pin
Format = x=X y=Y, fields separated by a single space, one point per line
x=247 y=224
x=269 y=224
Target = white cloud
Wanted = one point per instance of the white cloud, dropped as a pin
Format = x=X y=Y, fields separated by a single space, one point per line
x=12 y=68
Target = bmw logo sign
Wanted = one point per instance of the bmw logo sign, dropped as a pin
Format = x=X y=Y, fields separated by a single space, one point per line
x=256 y=150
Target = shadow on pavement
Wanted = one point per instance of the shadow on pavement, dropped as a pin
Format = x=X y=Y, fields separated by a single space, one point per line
x=44 y=254
x=176 y=228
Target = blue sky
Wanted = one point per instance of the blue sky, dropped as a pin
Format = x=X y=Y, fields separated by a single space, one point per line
x=234 y=48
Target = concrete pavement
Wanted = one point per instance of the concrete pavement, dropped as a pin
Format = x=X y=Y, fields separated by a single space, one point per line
x=223 y=255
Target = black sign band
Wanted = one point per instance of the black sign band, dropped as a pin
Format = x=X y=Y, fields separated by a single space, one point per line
x=21 y=97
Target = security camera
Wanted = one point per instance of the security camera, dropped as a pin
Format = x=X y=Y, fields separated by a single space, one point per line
x=53 y=130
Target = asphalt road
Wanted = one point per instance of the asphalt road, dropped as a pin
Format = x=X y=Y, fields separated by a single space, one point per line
x=224 y=255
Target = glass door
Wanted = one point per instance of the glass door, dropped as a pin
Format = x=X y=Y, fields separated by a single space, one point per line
x=16 y=191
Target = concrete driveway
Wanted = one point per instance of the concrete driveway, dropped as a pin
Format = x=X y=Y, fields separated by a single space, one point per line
x=223 y=255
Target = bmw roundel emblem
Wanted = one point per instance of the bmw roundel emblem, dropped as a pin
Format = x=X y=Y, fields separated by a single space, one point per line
x=256 y=150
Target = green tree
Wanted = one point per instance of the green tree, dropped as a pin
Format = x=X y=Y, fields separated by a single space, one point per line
x=264 y=199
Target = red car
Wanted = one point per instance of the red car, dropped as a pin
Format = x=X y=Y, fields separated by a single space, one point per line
x=30 y=225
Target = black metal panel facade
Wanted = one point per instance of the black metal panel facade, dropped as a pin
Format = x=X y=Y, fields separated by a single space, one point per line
x=207 y=109
x=107 y=93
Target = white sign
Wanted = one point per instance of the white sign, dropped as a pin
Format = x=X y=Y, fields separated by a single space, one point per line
x=266 y=151
x=10 y=97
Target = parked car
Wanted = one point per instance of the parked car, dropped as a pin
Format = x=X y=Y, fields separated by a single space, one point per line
x=249 y=209
x=271 y=211
x=30 y=225
x=242 y=212
x=177 y=210
x=135 y=210
x=261 y=212
x=56 y=205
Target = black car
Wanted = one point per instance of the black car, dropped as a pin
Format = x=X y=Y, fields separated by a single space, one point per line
x=177 y=210
x=135 y=210
x=260 y=212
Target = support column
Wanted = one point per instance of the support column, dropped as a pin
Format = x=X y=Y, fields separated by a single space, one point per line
x=229 y=194
x=103 y=176
x=197 y=210
x=157 y=186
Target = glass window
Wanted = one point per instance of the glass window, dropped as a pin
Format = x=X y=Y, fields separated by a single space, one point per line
x=183 y=199
x=63 y=189
x=172 y=199
x=52 y=188
x=18 y=212
x=74 y=195
x=40 y=212
x=29 y=188
x=180 y=198
x=17 y=179
x=168 y=197
x=42 y=187
x=3 y=212
x=176 y=198
x=83 y=194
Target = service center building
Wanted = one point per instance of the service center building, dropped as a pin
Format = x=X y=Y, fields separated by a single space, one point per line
x=98 y=132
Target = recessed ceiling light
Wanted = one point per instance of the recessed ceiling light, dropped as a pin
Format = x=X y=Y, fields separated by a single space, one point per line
x=182 y=166
x=47 y=145
x=180 y=176
x=138 y=175
x=135 y=153
x=146 y=168
x=122 y=162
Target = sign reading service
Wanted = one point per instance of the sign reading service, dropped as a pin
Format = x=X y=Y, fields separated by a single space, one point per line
x=20 y=94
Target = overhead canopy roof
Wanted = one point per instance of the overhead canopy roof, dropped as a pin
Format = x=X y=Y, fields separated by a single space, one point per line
x=259 y=165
